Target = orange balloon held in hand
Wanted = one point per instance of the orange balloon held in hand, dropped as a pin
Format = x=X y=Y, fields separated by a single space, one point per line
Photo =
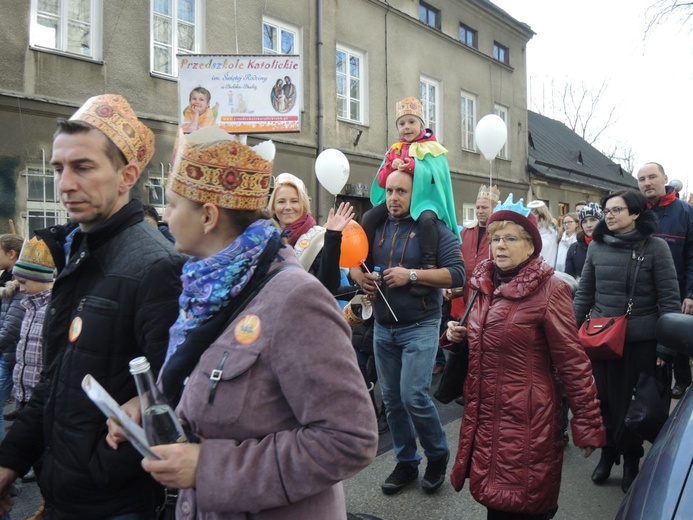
x=354 y=245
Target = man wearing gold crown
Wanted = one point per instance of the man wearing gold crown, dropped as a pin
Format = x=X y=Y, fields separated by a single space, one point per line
x=475 y=247
x=115 y=297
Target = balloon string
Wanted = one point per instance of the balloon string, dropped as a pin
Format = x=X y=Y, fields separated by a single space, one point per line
x=381 y=292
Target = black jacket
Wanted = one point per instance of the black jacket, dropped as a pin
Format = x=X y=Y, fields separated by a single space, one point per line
x=575 y=258
x=114 y=300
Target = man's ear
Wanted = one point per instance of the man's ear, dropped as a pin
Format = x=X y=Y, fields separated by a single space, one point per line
x=128 y=177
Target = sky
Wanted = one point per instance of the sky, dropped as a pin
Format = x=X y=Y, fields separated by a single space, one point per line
x=649 y=78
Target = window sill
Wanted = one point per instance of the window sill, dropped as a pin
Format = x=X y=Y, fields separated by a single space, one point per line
x=161 y=75
x=351 y=122
x=65 y=54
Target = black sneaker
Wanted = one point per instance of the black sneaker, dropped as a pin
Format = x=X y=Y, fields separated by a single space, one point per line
x=403 y=474
x=435 y=474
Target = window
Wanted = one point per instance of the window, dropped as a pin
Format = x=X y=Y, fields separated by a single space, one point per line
x=563 y=208
x=429 y=15
x=468 y=118
x=468 y=213
x=175 y=30
x=501 y=53
x=502 y=112
x=279 y=38
x=350 y=85
x=468 y=36
x=43 y=204
x=429 y=100
x=157 y=190
x=71 y=26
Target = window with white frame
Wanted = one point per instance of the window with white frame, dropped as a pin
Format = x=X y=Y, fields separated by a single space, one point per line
x=351 y=84
x=502 y=112
x=176 y=29
x=279 y=37
x=429 y=99
x=468 y=119
x=70 y=26
x=43 y=208
x=468 y=213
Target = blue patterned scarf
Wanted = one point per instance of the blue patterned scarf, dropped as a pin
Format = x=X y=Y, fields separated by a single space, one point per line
x=210 y=283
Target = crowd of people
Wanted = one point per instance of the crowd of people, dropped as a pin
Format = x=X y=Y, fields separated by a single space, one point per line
x=233 y=299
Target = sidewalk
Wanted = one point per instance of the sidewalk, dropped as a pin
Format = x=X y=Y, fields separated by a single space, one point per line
x=579 y=498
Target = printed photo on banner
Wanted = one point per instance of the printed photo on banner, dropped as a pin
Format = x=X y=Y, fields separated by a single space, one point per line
x=242 y=94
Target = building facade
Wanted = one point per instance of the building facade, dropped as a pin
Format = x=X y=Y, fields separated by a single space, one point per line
x=463 y=58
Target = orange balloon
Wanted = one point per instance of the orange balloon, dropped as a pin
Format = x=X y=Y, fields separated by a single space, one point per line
x=354 y=245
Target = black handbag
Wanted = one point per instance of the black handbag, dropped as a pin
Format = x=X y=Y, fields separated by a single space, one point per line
x=649 y=406
x=451 y=383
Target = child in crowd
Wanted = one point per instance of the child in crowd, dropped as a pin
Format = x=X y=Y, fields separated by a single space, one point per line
x=198 y=114
x=419 y=154
x=11 y=314
x=35 y=273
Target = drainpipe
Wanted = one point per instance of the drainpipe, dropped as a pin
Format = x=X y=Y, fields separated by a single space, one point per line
x=321 y=94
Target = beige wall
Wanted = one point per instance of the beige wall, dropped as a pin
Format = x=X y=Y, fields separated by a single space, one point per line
x=38 y=86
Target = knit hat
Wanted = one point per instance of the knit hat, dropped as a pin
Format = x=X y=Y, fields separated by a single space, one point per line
x=113 y=115
x=591 y=209
x=520 y=215
x=492 y=193
x=35 y=262
x=409 y=106
x=211 y=166
x=290 y=178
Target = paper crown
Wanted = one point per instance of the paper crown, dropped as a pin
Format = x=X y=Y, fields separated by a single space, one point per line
x=492 y=194
x=509 y=205
x=210 y=166
x=113 y=115
x=409 y=106
x=35 y=262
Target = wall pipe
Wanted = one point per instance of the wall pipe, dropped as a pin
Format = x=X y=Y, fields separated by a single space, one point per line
x=320 y=94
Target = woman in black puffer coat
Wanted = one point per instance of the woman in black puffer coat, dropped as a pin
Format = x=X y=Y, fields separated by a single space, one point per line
x=619 y=241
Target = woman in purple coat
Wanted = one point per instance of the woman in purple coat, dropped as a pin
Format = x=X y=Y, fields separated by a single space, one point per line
x=271 y=396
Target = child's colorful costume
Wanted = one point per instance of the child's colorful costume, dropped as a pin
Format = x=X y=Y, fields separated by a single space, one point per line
x=432 y=188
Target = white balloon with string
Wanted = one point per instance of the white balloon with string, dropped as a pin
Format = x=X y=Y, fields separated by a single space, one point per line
x=490 y=136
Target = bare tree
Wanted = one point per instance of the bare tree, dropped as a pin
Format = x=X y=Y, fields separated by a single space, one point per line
x=581 y=111
x=623 y=155
x=662 y=10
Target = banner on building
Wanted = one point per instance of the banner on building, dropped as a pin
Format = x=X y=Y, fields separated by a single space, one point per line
x=242 y=94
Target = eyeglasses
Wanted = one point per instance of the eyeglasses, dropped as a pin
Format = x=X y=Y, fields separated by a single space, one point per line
x=568 y=221
x=509 y=240
x=615 y=211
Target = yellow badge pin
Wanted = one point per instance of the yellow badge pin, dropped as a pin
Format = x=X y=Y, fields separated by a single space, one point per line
x=247 y=329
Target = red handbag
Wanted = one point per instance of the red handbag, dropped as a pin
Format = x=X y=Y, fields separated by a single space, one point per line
x=603 y=338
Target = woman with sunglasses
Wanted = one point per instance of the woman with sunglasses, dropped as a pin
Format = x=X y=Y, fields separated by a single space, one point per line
x=619 y=242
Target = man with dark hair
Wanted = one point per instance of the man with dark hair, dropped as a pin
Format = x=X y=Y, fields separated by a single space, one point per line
x=151 y=217
x=676 y=227
x=579 y=205
x=406 y=334
x=114 y=299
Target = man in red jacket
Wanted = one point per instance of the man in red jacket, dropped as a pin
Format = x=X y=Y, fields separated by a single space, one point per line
x=474 y=247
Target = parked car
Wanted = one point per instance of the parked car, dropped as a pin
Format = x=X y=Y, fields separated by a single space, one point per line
x=664 y=487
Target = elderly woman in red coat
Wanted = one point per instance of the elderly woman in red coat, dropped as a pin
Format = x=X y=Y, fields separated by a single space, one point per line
x=522 y=338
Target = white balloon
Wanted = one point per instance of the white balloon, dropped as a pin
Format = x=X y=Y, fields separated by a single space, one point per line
x=332 y=170
x=490 y=135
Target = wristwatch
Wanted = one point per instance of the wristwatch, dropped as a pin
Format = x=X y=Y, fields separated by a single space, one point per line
x=413 y=276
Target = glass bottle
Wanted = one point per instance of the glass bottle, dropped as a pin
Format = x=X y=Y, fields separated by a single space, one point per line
x=160 y=424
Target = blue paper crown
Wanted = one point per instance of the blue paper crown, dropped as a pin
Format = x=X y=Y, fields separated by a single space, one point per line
x=509 y=205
